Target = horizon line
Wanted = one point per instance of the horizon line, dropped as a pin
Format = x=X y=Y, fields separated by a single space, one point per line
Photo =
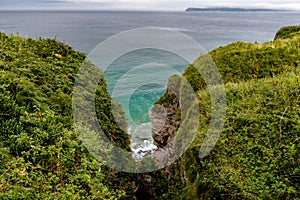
x=141 y=10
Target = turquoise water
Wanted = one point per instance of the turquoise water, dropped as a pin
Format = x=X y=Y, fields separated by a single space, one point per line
x=136 y=81
x=145 y=73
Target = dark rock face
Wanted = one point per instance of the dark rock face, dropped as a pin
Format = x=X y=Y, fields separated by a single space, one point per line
x=163 y=123
x=146 y=189
x=163 y=115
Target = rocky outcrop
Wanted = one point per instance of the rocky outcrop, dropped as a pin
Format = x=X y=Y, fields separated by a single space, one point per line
x=164 y=115
x=164 y=122
x=175 y=119
x=165 y=118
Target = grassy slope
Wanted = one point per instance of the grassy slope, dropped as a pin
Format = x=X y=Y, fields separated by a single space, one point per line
x=287 y=32
x=242 y=61
x=41 y=156
x=257 y=156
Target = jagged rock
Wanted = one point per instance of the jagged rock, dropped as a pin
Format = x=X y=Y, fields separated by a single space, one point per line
x=163 y=115
x=165 y=123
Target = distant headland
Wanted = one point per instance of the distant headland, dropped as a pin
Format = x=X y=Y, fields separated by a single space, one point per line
x=228 y=9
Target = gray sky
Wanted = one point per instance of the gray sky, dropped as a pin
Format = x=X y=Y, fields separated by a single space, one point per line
x=172 y=5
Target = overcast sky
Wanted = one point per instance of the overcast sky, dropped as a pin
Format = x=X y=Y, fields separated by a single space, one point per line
x=172 y=5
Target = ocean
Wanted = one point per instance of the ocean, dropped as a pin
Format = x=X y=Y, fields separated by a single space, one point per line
x=84 y=30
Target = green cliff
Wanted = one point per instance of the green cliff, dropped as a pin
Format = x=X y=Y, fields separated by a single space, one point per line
x=41 y=156
x=258 y=153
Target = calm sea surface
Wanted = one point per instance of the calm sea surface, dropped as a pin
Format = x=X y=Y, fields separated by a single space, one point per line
x=85 y=30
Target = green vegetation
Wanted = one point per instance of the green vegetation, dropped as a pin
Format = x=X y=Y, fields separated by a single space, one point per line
x=258 y=154
x=287 y=32
x=41 y=155
x=242 y=61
